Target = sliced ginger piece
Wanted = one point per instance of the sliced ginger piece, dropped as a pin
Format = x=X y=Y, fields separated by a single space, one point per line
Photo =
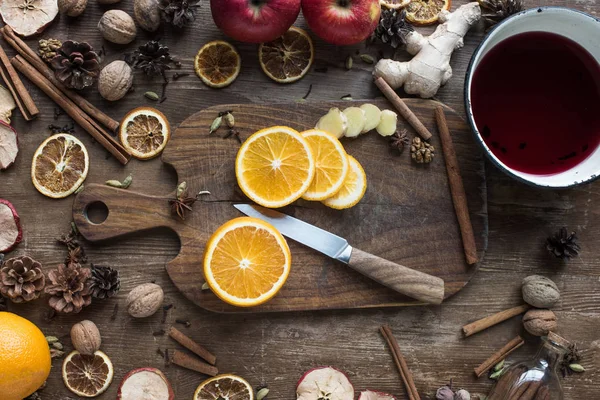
x=388 y=124
x=334 y=122
x=356 y=121
x=373 y=116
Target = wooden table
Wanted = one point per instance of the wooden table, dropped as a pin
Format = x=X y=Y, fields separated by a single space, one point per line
x=275 y=349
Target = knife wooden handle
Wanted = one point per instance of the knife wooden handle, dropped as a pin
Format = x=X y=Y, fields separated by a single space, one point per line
x=418 y=285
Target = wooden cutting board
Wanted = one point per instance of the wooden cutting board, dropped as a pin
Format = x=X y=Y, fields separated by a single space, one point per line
x=406 y=215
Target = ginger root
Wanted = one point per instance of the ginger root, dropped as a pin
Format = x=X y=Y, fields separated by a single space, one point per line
x=430 y=68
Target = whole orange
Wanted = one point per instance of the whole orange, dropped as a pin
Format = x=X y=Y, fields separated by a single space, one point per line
x=24 y=357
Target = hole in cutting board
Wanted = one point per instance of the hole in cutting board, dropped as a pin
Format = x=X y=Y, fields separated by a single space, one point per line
x=96 y=212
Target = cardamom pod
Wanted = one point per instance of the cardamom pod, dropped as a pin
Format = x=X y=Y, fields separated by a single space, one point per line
x=499 y=366
x=576 y=367
x=58 y=346
x=181 y=189
x=114 y=183
x=126 y=182
x=262 y=393
x=51 y=339
x=151 y=96
x=203 y=192
x=349 y=62
x=56 y=353
x=367 y=59
x=348 y=98
x=229 y=120
x=215 y=124
x=497 y=374
x=205 y=286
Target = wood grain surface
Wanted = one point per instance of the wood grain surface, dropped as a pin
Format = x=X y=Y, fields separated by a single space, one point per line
x=275 y=349
x=404 y=203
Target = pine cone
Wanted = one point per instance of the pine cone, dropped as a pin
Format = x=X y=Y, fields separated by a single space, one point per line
x=21 y=279
x=76 y=65
x=47 y=48
x=393 y=27
x=178 y=12
x=105 y=282
x=495 y=11
x=70 y=289
x=563 y=245
x=153 y=58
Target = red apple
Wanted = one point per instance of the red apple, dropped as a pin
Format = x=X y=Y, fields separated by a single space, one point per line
x=254 y=21
x=342 y=22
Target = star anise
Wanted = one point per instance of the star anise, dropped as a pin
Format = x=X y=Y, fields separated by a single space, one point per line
x=399 y=140
x=76 y=253
x=153 y=58
x=563 y=244
x=182 y=203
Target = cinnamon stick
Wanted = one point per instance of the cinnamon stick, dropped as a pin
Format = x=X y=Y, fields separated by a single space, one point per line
x=499 y=355
x=72 y=110
x=17 y=89
x=186 y=361
x=402 y=108
x=542 y=394
x=34 y=59
x=457 y=189
x=487 y=322
x=405 y=373
x=530 y=392
x=191 y=345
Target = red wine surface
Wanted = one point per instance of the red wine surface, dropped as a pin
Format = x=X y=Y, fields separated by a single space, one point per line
x=536 y=101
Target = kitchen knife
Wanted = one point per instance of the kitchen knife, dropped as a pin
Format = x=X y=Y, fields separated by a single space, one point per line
x=418 y=285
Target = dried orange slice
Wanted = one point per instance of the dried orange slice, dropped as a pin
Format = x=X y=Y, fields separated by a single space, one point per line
x=59 y=166
x=144 y=132
x=331 y=164
x=224 y=387
x=425 y=12
x=352 y=190
x=217 y=64
x=287 y=58
x=275 y=166
x=246 y=262
x=394 y=4
x=87 y=376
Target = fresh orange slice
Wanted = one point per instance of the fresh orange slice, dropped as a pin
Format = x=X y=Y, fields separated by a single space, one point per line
x=59 y=166
x=331 y=164
x=394 y=4
x=217 y=64
x=352 y=190
x=224 y=387
x=87 y=376
x=287 y=58
x=144 y=132
x=246 y=262
x=425 y=12
x=275 y=166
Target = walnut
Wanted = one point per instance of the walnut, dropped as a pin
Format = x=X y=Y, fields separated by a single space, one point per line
x=539 y=322
x=540 y=291
x=144 y=300
x=85 y=337
x=117 y=26
x=147 y=14
x=115 y=80
x=73 y=8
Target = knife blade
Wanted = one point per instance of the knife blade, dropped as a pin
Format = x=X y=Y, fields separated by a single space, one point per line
x=416 y=284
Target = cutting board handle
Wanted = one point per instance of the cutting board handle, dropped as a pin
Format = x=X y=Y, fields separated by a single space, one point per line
x=128 y=212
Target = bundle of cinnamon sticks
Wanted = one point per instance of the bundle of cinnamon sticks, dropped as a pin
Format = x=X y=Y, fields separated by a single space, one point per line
x=83 y=112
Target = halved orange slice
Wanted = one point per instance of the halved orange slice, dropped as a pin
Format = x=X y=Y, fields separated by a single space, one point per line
x=353 y=189
x=87 y=376
x=224 y=387
x=59 y=166
x=287 y=58
x=144 y=132
x=217 y=64
x=425 y=12
x=246 y=262
x=275 y=166
x=331 y=164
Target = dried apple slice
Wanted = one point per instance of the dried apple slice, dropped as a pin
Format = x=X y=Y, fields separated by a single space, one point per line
x=374 y=395
x=10 y=227
x=7 y=104
x=324 y=383
x=9 y=146
x=28 y=17
x=145 y=383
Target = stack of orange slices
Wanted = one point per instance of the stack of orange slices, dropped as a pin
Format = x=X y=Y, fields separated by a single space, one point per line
x=278 y=165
